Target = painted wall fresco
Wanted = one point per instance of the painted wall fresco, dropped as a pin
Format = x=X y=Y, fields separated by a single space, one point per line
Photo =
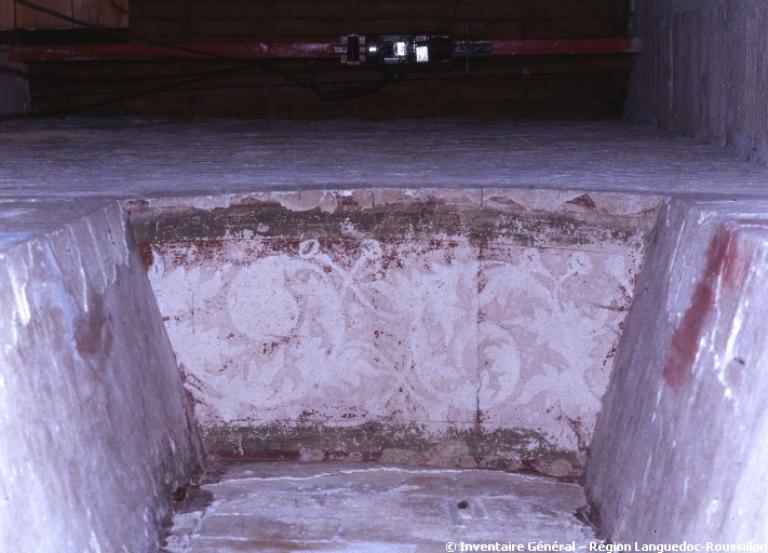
x=440 y=318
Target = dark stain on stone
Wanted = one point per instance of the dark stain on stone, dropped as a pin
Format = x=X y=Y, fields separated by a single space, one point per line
x=540 y=228
x=250 y=202
x=347 y=202
x=268 y=348
x=145 y=252
x=508 y=449
x=344 y=251
x=93 y=331
x=585 y=200
x=194 y=499
x=138 y=204
x=529 y=465
x=479 y=417
x=420 y=221
x=510 y=203
x=260 y=455
x=306 y=415
x=179 y=494
x=359 y=456
x=590 y=516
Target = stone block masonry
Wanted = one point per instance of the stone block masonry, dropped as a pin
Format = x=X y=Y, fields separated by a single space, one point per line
x=95 y=428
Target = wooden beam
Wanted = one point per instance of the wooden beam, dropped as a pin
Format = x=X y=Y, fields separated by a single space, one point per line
x=7 y=15
x=104 y=13
x=112 y=14
x=28 y=18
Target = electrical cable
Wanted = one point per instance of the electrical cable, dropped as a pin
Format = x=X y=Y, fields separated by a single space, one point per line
x=56 y=78
x=147 y=92
x=449 y=79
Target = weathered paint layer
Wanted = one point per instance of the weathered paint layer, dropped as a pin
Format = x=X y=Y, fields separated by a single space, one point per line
x=412 y=443
x=455 y=313
x=725 y=271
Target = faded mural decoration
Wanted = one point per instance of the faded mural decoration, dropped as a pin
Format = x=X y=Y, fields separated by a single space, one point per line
x=446 y=332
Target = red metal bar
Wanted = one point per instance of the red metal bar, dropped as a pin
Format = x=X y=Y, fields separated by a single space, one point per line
x=138 y=51
x=274 y=50
x=614 y=45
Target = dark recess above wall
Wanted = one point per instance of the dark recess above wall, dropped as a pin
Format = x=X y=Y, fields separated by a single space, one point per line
x=544 y=87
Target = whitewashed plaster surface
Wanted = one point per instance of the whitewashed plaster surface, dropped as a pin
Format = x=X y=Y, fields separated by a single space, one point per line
x=680 y=449
x=434 y=330
x=336 y=507
x=95 y=430
x=133 y=157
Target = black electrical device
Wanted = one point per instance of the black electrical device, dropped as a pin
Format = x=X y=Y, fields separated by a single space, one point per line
x=396 y=49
